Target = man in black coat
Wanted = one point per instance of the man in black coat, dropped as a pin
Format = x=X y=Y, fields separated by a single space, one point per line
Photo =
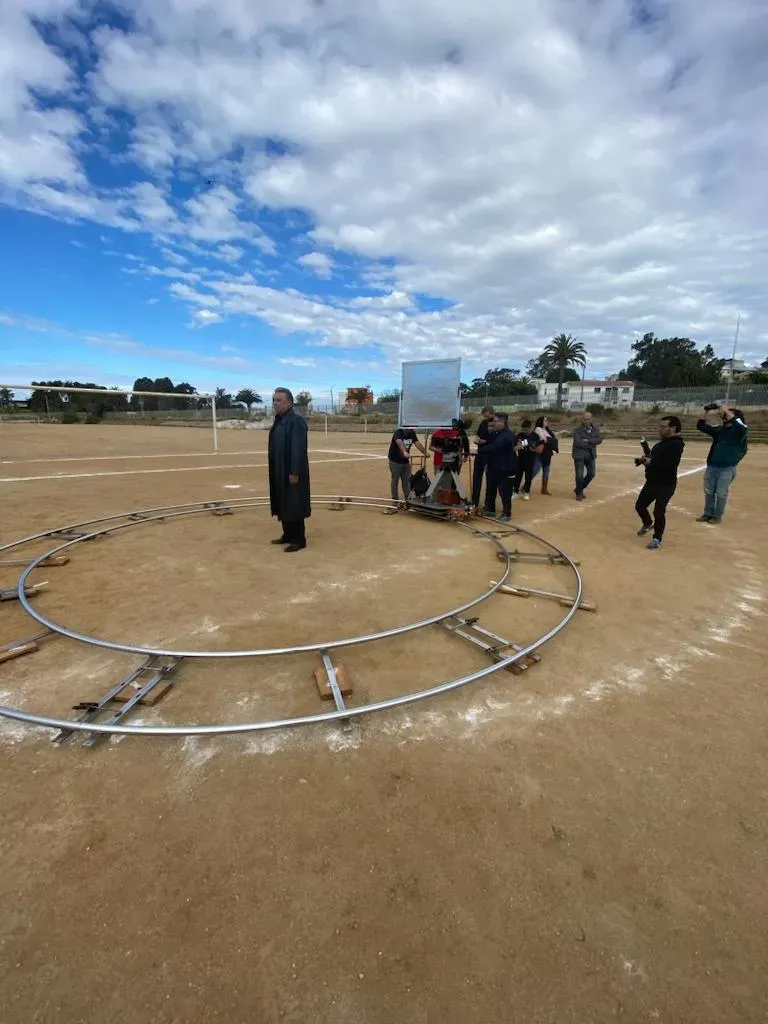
x=501 y=458
x=661 y=466
x=289 y=496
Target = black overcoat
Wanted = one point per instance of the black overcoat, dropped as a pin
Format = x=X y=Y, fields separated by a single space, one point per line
x=288 y=456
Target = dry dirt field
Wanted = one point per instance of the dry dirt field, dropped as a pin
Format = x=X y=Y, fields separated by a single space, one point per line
x=579 y=844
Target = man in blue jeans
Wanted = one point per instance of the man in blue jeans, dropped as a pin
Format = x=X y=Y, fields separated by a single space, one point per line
x=586 y=438
x=729 y=446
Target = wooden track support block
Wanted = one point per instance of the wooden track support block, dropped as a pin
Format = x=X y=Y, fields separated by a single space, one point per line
x=154 y=696
x=324 y=686
x=17 y=651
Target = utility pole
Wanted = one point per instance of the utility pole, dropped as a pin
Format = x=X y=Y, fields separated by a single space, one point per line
x=733 y=358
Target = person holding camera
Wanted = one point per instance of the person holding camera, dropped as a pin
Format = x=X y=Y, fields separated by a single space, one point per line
x=586 y=438
x=729 y=446
x=403 y=439
x=501 y=457
x=661 y=464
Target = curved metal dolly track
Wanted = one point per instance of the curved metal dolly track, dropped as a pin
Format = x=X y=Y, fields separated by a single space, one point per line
x=173 y=511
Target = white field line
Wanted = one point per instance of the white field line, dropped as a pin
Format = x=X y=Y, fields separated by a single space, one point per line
x=175 y=469
x=580 y=507
x=167 y=455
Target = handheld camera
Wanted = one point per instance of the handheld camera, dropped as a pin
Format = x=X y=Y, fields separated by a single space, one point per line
x=646 y=451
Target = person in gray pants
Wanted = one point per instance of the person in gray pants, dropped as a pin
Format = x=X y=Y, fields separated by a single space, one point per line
x=400 y=446
x=586 y=438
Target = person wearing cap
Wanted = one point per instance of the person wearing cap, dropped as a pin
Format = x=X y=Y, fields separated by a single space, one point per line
x=729 y=446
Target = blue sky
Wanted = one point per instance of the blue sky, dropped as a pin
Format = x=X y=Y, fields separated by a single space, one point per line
x=308 y=193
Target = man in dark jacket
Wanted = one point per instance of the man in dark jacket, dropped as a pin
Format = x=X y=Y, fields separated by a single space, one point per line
x=729 y=446
x=586 y=438
x=482 y=438
x=289 y=471
x=660 y=479
x=501 y=459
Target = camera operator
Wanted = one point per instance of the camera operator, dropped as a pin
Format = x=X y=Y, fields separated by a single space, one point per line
x=661 y=463
x=501 y=456
x=729 y=446
x=481 y=439
x=444 y=439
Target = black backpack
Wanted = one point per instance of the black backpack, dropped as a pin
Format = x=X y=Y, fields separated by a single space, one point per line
x=420 y=483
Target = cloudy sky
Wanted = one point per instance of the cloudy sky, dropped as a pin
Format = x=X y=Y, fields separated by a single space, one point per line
x=235 y=192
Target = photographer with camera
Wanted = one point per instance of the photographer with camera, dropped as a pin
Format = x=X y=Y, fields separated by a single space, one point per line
x=526 y=457
x=661 y=464
x=729 y=446
x=501 y=456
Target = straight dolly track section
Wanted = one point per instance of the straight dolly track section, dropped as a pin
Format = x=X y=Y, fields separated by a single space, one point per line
x=502 y=649
x=137 y=687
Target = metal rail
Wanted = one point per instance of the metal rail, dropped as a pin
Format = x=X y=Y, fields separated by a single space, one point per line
x=347 y=713
x=352 y=641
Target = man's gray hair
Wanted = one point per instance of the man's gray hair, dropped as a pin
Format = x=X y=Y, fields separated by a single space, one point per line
x=284 y=391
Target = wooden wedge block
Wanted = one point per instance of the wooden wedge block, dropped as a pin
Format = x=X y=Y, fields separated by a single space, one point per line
x=324 y=686
x=154 y=696
x=584 y=605
x=16 y=652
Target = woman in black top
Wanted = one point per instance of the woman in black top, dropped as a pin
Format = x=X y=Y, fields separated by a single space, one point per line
x=545 y=445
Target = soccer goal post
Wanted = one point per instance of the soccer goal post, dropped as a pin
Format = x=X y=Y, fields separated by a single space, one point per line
x=60 y=403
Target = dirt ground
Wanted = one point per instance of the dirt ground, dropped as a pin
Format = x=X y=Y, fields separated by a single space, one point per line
x=581 y=843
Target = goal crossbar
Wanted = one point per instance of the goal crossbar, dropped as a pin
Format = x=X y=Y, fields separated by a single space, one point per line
x=108 y=390
x=105 y=391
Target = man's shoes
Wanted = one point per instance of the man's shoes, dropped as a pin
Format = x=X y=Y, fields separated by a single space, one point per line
x=655 y=544
x=525 y=496
x=503 y=519
x=280 y=540
x=295 y=547
x=643 y=530
x=704 y=519
x=579 y=497
x=715 y=520
x=489 y=513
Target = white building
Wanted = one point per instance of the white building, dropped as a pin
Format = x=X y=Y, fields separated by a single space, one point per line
x=587 y=392
x=735 y=369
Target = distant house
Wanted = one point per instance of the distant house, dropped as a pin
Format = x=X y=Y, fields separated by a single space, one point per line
x=735 y=369
x=587 y=392
x=357 y=398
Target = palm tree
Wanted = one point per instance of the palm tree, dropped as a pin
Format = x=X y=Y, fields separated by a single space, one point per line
x=564 y=351
x=249 y=398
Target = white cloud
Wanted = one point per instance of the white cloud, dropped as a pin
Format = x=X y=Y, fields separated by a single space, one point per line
x=297 y=362
x=318 y=262
x=205 y=317
x=541 y=166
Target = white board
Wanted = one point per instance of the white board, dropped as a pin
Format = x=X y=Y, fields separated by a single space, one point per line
x=430 y=396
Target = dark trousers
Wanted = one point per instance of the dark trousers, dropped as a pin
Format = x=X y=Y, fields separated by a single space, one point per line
x=662 y=496
x=295 y=533
x=498 y=483
x=478 y=472
x=586 y=471
x=524 y=472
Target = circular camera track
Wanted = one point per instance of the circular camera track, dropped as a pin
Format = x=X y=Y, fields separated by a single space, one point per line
x=504 y=656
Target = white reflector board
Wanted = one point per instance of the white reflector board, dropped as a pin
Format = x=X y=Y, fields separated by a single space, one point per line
x=430 y=393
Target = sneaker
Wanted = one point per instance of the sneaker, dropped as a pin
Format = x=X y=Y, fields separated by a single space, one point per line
x=503 y=519
x=525 y=496
x=643 y=530
x=655 y=544
x=704 y=519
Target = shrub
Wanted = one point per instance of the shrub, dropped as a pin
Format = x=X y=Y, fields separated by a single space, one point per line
x=93 y=417
x=595 y=408
x=70 y=417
